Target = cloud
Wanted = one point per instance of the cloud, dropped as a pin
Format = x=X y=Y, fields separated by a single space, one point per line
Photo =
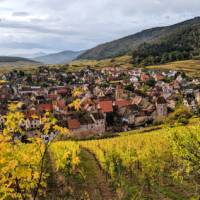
x=55 y=25
x=20 y=14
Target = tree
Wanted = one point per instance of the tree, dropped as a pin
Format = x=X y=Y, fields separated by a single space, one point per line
x=22 y=166
x=76 y=104
x=77 y=92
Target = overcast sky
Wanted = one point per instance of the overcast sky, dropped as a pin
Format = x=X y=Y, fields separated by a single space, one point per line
x=31 y=26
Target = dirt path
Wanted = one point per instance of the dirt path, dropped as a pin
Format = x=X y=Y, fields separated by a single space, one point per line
x=97 y=185
x=51 y=180
x=89 y=184
x=58 y=187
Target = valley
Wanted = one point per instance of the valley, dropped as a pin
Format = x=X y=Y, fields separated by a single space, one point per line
x=119 y=121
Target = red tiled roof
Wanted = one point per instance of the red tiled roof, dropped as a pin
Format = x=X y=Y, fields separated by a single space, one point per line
x=73 y=124
x=106 y=106
x=61 y=91
x=30 y=113
x=122 y=103
x=52 y=96
x=144 y=77
x=61 y=103
x=159 y=77
x=45 y=107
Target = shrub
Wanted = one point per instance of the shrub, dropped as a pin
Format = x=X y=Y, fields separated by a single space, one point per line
x=180 y=115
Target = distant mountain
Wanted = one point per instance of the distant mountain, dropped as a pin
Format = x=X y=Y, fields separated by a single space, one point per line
x=10 y=59
x=59 y=58
x=29 y=55
x=155 y=36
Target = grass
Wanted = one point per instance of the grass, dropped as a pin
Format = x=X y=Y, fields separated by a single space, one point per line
x=189 y=66
x=89 y=168
x=74 y=66
x=24 y=66
x=123 y=61
x=192 y=121
x=192 y=67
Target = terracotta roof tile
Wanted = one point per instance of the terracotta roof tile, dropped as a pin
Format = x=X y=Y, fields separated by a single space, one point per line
x=45 y=107
x=122 y=103
x=144 y=77
x=106 y=106
x=73 y=124
x=61 y=103
x=61 y=91
x=52 y=96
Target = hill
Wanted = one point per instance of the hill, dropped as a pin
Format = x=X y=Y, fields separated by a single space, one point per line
x=59 y=58
x=191 y=67
x=135 y=42
x=122 y=61
x=10 y=59
x=9 y=63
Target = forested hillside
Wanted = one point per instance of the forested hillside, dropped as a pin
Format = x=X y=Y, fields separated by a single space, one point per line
x=180 y=40
x=183 y=45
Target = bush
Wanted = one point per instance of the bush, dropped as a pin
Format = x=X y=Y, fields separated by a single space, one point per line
x=180 y=115
x=158 y=122
x=183 y=120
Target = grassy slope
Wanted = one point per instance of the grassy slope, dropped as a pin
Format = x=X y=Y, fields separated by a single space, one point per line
x=123 y=61
x=24 y=66
x=189 y=66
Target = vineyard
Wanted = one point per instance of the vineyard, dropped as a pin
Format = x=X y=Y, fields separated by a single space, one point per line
x=153 y=165
x=156 y=165
x=160 y=164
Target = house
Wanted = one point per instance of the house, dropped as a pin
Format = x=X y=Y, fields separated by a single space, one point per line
x=59 y=105
x=158 y=77
x=144 y=77
x=33 y=123
x=119 y=92
x=141 y=120
x=136 y=100
x=161 y=107
x=87 y=125
x=121 y=106
x=46 y=107
x=179 y=78
x=121 y=103
x=134 y=79
x=189 y=101
x=130 y=113
x=105 y=106
x=197 y=96
x=171 y=103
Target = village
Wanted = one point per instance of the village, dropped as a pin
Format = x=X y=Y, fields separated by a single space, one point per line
x=97 y=102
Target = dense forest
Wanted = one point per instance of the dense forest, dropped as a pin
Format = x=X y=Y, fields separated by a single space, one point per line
x=182 y=45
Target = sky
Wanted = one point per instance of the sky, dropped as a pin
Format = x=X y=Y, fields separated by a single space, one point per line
x=31 y=27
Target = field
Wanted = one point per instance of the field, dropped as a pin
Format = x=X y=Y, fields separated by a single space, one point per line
x=189 y=66
x=192 y=67
x=143 y=165
x=124 y=62
x=25 y=66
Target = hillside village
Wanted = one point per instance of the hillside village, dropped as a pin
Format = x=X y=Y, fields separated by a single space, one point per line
x=94 y=102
